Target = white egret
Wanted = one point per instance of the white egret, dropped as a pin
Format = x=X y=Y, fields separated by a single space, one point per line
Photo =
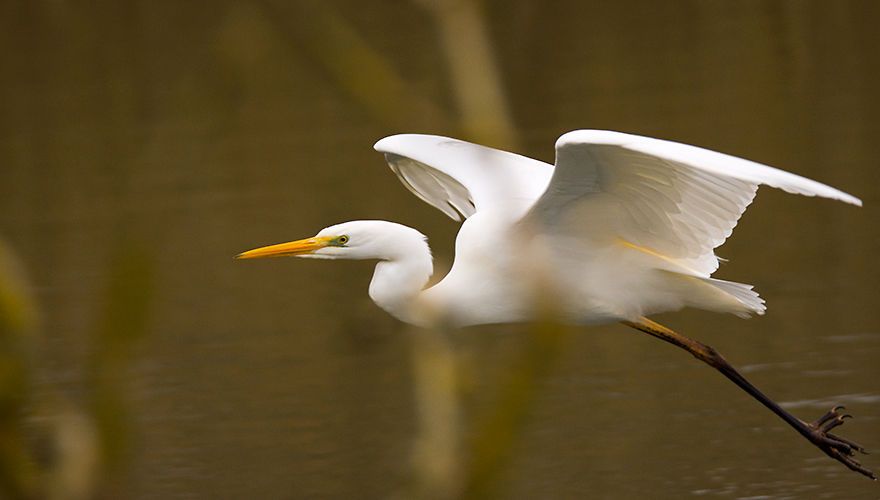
x=621 y=227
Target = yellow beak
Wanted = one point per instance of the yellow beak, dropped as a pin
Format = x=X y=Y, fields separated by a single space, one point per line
x=298 y=247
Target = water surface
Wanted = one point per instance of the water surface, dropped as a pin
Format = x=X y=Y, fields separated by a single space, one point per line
x=199 y=130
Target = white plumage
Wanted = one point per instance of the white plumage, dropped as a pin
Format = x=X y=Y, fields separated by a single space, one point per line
x=621 y=227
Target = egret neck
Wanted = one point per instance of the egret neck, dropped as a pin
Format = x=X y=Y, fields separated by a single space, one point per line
x=401 y=276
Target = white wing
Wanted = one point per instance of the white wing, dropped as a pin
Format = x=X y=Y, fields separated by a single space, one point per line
x=459 y=177
x=675 y=200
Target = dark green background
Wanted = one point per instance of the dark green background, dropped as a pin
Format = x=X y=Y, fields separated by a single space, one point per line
x=201 y=129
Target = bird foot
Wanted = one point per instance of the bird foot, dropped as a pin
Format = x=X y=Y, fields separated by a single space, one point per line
x=841 y=449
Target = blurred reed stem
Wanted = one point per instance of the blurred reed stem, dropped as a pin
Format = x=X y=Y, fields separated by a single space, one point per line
x=62 y=463
x=122 y=323
x=496 y=431
x=325 y=36
x=474 y=76
x=18 y=471
x=437 y=449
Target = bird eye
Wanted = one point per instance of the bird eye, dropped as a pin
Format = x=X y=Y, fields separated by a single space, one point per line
x=342 y=240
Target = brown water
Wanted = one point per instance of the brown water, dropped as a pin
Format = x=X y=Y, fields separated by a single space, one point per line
x=201 y=129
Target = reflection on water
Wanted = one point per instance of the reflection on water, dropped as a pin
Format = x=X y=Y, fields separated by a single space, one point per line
x=202 y=130
x=831 y=400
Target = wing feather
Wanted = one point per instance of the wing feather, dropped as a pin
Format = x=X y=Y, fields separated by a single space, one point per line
x=459 y=178
x=677 y=200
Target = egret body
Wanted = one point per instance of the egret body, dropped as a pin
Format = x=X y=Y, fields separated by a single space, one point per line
x=621 y=227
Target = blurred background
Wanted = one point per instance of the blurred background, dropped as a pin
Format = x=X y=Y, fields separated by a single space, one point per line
x=143 y=144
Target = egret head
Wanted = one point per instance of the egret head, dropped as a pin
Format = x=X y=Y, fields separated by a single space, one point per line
x=363 y=239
